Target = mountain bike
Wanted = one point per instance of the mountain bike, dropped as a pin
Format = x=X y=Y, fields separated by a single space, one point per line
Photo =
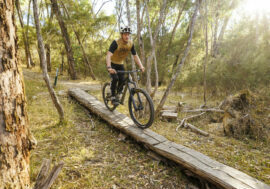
x=140 y=104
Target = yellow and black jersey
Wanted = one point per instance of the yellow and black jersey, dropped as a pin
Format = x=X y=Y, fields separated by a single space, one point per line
x=120 y=50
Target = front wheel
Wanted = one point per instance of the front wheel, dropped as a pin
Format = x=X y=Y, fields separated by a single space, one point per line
x=141 y=108
x=106 y=94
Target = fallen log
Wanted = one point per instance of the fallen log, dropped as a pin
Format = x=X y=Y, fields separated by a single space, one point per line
x=204 y=110
x=199 y=164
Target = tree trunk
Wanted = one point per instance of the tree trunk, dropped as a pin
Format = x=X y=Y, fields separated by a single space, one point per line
x=48 y=57
x=153 y=51
x=119 y=12
x=216 y=18
x=44 y=65
x=62 y=64
x=206 y=53
x=25 y=41
x=179 y=66
x=16 y=140
x=66 y=39
x=132 y=60
x=148 y=62
x=139 y=36
x=81 y=45
x=175 y=26
x=139 y=28
x=223 y=28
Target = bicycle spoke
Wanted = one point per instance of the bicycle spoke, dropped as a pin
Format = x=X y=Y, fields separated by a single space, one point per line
x=141 y=109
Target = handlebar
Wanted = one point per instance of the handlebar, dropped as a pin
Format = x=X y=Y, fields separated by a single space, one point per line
x=131 y=71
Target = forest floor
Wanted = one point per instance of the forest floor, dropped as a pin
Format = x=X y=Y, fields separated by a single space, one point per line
x=95 y=158
x=94 y=155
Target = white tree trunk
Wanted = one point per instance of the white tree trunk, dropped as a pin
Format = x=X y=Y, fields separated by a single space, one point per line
x=44 y=65
x=132 y=60
x=206 y=53
x=153 y=45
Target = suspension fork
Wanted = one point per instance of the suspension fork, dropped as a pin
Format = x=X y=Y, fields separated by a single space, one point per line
x=132 y=91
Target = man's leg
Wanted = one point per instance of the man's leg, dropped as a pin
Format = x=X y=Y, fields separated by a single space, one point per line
x=114 y=82
x=121 y=79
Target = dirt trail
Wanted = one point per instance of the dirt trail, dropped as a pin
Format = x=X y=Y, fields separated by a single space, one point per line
x=62 y=81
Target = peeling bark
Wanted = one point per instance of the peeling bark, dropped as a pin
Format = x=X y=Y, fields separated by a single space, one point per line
x=16 y=140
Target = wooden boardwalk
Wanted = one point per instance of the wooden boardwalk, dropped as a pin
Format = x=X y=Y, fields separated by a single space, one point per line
x=199 y=164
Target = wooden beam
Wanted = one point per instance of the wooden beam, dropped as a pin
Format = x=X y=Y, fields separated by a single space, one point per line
x=199 y=164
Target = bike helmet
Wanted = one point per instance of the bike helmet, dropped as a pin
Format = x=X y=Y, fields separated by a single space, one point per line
x=125 y=29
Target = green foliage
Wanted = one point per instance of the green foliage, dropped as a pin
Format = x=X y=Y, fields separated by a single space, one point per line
x=243 y=61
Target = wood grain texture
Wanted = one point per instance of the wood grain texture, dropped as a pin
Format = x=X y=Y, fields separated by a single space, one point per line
x=199 y=164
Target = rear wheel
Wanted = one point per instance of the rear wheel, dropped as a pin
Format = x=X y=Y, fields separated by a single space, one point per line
x=106 y=94
x=141 y=108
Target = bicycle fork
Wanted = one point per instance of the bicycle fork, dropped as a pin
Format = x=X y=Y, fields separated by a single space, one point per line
x=132 y=92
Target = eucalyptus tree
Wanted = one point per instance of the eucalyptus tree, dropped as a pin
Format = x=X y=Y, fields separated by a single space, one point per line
x=28 y=57
x=66 y=38
x=179 y=66
x=46 y=78
x=16 y=140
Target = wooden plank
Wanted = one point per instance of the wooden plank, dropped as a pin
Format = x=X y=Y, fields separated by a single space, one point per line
x=201 y=165
x=169 y=115
x=171 y=108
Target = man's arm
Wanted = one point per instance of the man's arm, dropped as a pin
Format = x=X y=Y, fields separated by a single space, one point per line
x=138 y=62
x=136 y=58
x=108 y=62
x=112 y=48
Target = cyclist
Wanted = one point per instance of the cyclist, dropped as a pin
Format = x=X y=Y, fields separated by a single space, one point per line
x=118 y=51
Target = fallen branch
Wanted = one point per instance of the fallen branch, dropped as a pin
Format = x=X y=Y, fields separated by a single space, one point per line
x=46 y=179
x=196 y=130
x=205 y=110
x=190 y=117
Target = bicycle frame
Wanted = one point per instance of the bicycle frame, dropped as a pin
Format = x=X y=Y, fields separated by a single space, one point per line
x=128 y=81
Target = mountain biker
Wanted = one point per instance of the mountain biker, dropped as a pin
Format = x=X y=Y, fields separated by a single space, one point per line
x=118 y=51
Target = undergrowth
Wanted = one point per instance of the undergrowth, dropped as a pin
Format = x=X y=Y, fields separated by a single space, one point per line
x=93 y=156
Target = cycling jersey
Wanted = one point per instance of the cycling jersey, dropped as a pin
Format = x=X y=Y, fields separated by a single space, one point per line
x=120 y=50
